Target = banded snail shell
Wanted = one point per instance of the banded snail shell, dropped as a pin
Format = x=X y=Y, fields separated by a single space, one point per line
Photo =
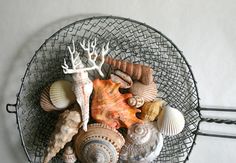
x=170 y=121
x=136 y=101
x=100 y=143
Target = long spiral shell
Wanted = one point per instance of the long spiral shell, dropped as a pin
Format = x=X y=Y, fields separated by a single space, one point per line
x=100 y=143
x=136 y=71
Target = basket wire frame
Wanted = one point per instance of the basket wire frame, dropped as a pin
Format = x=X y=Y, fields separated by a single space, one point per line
x=129 y=40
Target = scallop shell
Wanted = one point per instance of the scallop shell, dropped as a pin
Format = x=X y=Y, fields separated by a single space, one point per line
x=143 y=144
x=100 y=143
x=61 y=94
x=150 y=110
x=69 y=155
x=170 y=121
x=45 y=101
x=148 y=92
x=122 y=78
x=136 y=101
x=67 y=126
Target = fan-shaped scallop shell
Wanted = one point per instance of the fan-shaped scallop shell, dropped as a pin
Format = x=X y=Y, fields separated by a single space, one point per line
x=150 y=110
x=170 y=121
x=148 y=92
x=143 y=143
x=100 y=143
x=69 y=155
x=45 y=101
x=136 y=101
x=61 y=94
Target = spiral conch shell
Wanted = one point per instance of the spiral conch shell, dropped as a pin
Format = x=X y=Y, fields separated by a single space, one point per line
x=66 y=127
x=170 y=121
x=109 y=105
x=69 y=155
x=148 y=92
x=143 y=144
x=61 y=94
x=136 y=101
x=100 y=144
x=136 y=71
x=150 y=110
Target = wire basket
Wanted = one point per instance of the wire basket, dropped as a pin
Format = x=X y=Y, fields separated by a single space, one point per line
x=129 y=40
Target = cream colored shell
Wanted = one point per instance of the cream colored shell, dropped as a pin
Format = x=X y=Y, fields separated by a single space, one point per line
x=170 y=121
x=61 y=94
x=69 y=155
x=136 y=101
x=148 y=92
x=45 y=101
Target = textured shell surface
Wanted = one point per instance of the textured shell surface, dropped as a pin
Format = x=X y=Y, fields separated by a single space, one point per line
x=136 y=101
x=143 y=144
x=109 y=106
x=45 y=101
x=170 y=121
x=69 y=155
x=122 y=78
x=150 y=110
x=148 y=92
x=61 y=94
x=100 y=143
x=67 y=126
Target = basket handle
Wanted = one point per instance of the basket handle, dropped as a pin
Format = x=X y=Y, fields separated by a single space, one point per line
x=219 y=121
x=9 y=110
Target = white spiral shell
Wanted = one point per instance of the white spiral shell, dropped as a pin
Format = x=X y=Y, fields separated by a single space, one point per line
x=143 y=144
x=170 y=121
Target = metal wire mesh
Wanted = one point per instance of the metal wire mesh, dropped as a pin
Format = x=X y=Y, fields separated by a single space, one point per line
x=129 y=40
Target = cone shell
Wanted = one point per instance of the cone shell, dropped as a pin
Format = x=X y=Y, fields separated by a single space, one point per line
x=136 y=101
x=148 y=92
x=61 y=94
x=143 y=143
x=170 y=121
x=100 y=143
x=67 y=126
x=150 y=110
x=122 y=78
x=45 y=101
x=109 y=106
x=69 y=155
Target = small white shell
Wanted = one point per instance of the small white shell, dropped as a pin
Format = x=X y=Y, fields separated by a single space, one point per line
x=170 y=121
x=61 y=94
x=69 y=155
x=136 y=101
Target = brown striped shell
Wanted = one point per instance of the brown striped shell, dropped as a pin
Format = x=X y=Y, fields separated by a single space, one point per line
x=45 y=101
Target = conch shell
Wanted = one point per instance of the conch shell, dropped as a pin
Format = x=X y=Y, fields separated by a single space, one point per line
x=69 y=155
x=45 y=101
x=148 y=92
x=136 y=101
x=150 y=110
x=122 y=78
x=100 y=144
x=143 y=144
x=67 y=126
x=109 y=105
x=170 y=122
x=136 y=71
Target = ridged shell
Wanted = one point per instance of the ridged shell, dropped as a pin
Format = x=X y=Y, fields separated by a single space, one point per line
x=143 y=144
x=100 y=144
x=136 y=101
x=69 y=155
x=109 y=106
x=122 y=78
x=148 y=92
x=67 y=126
x=45 y=101
x=61 y=94
x=150 y=110
x=170 y=121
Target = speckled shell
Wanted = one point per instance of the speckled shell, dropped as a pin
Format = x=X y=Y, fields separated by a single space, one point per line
x=122 y=78
x=136 y=101
x=150 y=110
x=148 y=92
x=67 y=126
x=61 y=94
x=45 y=101
x=170 y=121
x=143 y=144
x=100 y=143
x=69 y=155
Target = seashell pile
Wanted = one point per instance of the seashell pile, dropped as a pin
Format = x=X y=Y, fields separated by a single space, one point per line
x=90 y=133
